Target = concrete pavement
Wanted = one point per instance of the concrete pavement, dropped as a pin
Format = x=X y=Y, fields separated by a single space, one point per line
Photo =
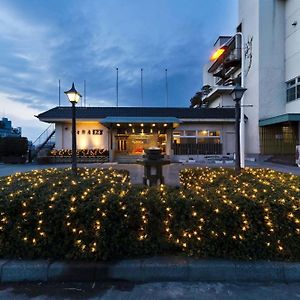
x=171 y=172
x=150 y=291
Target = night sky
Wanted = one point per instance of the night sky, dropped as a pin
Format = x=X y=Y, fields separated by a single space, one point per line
x=44 y=41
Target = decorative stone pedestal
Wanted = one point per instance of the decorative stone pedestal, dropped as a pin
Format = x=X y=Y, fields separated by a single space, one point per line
x=153 y=162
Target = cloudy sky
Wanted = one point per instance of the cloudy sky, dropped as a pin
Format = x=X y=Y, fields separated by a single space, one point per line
x=74 y=40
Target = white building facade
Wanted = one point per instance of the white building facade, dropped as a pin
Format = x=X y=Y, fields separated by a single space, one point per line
x=126 y=132
x=271 y=30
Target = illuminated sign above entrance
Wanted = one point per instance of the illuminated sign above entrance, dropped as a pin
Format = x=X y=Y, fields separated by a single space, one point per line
x=93 y=131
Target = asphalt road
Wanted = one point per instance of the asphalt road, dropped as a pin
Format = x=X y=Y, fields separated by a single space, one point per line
x=151 y=291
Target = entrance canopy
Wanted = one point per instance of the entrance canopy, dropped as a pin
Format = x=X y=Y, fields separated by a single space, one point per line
x=144 y=120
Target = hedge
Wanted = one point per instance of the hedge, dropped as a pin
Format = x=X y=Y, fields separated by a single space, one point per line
x=99 y=215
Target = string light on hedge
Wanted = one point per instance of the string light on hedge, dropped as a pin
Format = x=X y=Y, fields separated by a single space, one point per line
x=260 y=195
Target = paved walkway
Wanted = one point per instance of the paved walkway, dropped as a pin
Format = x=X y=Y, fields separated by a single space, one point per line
x=136 y=171
x=150 y=291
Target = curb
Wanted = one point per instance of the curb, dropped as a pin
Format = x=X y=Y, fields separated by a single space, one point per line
x=156 y=269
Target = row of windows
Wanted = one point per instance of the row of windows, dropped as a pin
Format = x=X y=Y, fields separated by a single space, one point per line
x=197 y=137
x=197 y=133
x=293 y=89
x=193 y=140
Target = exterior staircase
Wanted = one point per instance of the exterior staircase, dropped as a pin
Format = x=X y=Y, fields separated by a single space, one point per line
x=45 y=141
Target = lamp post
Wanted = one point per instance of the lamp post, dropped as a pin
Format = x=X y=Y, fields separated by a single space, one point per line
x=73 y=97
x=218 y=53
x=242 y=120
x=237 y=94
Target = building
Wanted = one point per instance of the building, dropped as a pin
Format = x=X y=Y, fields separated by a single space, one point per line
x=6 y=129
x=271 y=30
x=181 y=133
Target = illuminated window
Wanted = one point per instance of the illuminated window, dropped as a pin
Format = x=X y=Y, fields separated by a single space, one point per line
x=214 y=133
x=203 y=133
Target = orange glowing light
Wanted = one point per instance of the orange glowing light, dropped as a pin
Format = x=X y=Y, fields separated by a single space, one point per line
x=217 y=54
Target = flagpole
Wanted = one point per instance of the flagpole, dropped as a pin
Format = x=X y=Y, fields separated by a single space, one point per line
x=142 y=91
x=167 y=88
x=59 y=92
x=117 y=86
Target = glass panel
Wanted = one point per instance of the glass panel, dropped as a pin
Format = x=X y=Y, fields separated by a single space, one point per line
x=190 y=132
x=298 y=91
x=177 y=133
x=214 y=133
x=188 y=141
x=291 y=83
x=291 y=94
x=202 y=133
x=209 y=141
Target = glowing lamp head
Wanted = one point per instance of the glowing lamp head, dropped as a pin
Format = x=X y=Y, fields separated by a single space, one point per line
x=73 y=95
x=217 y=54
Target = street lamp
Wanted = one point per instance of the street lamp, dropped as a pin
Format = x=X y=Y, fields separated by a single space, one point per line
x=237 y=94
x=73 y=97
x=219 y=52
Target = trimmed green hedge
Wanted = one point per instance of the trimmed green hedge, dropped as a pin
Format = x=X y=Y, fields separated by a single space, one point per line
x=99 y=215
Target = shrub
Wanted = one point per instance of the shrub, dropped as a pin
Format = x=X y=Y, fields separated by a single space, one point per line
x=99 y=215
x=80 y=152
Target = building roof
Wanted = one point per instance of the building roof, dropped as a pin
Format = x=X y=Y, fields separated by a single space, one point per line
x=63 y=113
x=114 y=120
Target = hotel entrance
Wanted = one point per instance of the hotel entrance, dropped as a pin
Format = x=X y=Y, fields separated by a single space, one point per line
x=134 y=139
x=129 y=137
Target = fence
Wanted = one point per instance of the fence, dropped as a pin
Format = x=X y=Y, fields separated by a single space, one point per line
x=197 y=149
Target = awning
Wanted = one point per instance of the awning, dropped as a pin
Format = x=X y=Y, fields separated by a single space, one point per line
x=280 y=119
x=158 y=120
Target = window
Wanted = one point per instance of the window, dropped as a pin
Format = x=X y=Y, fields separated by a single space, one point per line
x=293 y=89
x=203 y=133
x=208 y=133
x=214 y=133
x=190 y=133
x=176 y=136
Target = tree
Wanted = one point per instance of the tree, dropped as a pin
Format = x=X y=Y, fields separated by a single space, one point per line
x=196 y=100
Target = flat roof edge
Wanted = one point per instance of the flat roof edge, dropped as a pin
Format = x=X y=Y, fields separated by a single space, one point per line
x=279 y=119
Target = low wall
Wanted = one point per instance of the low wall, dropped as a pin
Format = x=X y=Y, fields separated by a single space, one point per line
x=68 y=159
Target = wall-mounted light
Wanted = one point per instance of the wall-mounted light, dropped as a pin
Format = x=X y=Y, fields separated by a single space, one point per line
x=165 y=125
x=218 y=53
x=130 y=124
x=142 y=125
x=118 y=125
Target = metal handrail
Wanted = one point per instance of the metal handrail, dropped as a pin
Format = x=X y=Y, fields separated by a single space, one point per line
x=47 y=131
